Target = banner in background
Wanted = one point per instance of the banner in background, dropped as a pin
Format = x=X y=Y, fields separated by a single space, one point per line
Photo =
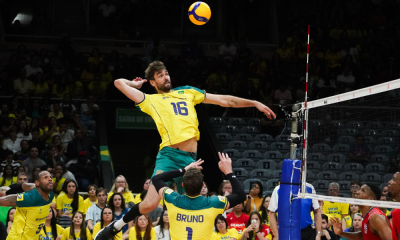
x=133 y=119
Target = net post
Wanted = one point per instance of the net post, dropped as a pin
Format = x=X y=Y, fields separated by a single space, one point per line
x=294 y=135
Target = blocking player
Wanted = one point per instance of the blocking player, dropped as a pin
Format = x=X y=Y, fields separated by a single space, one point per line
x=394 y=192
x=175 y=116
x=32 y=208
x=191 y=215
x=375 y=225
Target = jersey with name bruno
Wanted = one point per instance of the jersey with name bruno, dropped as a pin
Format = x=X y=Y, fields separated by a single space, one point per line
x=192 y=217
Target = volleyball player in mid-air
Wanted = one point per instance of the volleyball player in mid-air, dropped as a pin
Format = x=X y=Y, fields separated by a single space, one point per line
x=175 y=116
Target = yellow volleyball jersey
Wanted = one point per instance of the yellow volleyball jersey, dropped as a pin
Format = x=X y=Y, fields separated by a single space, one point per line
x=47 y=234
x=192 y=218
x=174 y=113
x=30 y=215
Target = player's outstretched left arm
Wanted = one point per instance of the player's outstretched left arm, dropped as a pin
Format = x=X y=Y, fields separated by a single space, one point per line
x=9 y=201
x=236 y=102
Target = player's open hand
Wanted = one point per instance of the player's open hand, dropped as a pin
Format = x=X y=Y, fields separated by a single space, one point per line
x=195 y=165
x=138 y=82
x=225 y=163
x=270 y=114
x=337 y=225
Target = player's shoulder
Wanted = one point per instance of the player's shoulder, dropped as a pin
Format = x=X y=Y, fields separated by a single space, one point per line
x=33 y=198
x=218 y=201
x=188 y=89
x=170 y=195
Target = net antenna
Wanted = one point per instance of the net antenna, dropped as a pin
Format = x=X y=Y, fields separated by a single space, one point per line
x=305 y=131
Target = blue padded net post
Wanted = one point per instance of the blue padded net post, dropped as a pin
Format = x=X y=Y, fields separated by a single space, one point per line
x=288 y=205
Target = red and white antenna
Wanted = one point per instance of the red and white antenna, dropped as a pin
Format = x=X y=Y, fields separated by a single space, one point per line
x=305 y=132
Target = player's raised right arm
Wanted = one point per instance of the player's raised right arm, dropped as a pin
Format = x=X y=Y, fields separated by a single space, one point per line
x=130 y=88
x=9 y=201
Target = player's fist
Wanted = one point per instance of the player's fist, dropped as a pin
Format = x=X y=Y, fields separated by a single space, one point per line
x=138 y=82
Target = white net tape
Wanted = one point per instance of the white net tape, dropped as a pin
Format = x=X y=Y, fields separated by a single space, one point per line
x=381 y=204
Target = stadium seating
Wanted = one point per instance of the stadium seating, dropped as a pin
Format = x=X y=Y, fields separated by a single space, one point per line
x=264 y=137
x=321 y=184
x=313 y=166
x=267 y=164
x=229 y=129
x=238 y=145
x=236 y=121
x=273 y=155
x=280 y=146
x=247 y=138
x=346 y=139
x=387 y=177
x=337 y=157
x=271 y=184
x=245 y=163
x=349 y=176
x=321 y=148
x=252 y=154
x=371 y=177
x=354 y=167
x=259 y=146
x=374 y=125
x=254 y=122
x=341 y=148
x=262 y=174
x=326 y=175
x=375 y=168
x=316 y=157
x=233 y=154
x=240 y=173
x=333 y=167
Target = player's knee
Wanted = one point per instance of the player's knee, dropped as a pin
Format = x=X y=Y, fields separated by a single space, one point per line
x=148 y=206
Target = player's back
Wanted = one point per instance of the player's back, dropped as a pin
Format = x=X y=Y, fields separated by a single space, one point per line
x=30 y=216
x=192 y=218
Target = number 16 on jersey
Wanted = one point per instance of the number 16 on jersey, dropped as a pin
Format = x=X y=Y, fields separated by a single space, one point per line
x=180 y=108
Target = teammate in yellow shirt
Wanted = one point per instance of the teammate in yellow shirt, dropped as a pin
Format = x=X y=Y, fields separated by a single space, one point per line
x=51 y=229
x=176 y=119
x=77 y=228
x=32 y=208
x=221 y=230
x=69 y=202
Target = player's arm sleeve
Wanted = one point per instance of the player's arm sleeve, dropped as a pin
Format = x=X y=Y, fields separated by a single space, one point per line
x=315 y=204
x=169 y=195
x=25 y=199
x=145 y=104
x=17 y=188
x=238 y=195
x=199 y=95
x=159 y=180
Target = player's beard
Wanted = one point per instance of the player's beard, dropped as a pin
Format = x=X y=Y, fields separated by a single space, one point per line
x=163 y=88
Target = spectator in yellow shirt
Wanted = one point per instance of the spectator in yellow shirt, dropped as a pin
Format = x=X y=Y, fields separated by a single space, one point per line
x=222 y=231
x=97 y=88
x=285 y=52
x=41 y=86
x=56 y=111
x=60 y=88
x=121 y=186
x=107 y=217
x=88 y=74
x=143 y=229
x=95 y=57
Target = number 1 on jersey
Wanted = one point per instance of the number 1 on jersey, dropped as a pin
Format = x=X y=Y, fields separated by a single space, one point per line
x=190 y=233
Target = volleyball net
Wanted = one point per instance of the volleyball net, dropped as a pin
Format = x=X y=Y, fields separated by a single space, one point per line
x=351 y=136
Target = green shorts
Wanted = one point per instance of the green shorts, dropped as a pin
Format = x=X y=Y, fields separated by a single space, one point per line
x=173 y=159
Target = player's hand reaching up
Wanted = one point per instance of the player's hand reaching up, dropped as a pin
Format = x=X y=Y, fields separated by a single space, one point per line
x=337 y=225
x=195 y=165
x=270 y=114
x=225 y=163
x=137 y=82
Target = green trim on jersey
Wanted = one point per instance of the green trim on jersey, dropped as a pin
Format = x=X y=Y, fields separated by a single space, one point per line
x=194 y=203
x=189 y=87
x=33 y=198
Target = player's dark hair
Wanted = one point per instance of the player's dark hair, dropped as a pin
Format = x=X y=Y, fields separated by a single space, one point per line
x=147 y=233
x=220 y=217
x=152 y=68
x=75 y=198
x=8 y=216
x=221 y=186
x=193 y=181
x=323 y=216
x=161 y=222
x=111 y=202
x=263 y=210
x=102 y=219
x=251 y=234
x=375 y=190
x=8 y=166
x=83 y=227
